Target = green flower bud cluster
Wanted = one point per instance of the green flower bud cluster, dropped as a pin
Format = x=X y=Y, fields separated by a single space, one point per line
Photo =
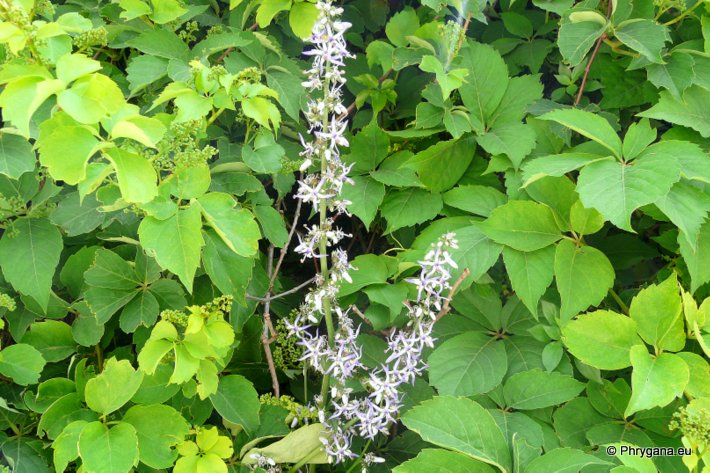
x=286 y=352
x=180 y=147
x=175 y=317
x=188 y=33
x=45 y=8
x=250 y=75
x=694 y=424
x=94 y=37
x=216 y=29
x=295 y=409
x=7 y=302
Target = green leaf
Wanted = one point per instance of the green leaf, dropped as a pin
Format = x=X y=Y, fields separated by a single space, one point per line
x=368 y=149
x=268 y=9
x=162 y=43
x=266 y=155
x=190 y=182
x=442 y=165
x=467 y=364
x=699 y=384
x=520 y=93
x=409 y=207
x=237 y=227
x=272 y=224
x=65 y=148
x=91 y=99
x=366 y=195
x=289 y=88
x=237 y=401
x=645 y=36
x=530 y=273
x=448 y=80
x=66 y=446
x=29 y=255
x=301 y=445
x=112 y=283
x=143 y=70
x=536 y=389
x=696 y=256
x=437 y=460
x=515 y=140
x=687 y=206
x=486 y=82
x=675 y=75
x=107 y=450
x=564 y=460
x=692 y=111
x=76 y=217
x=136 y=176
x=584 y=336
x=159 y=429
x=16 y=156
x=479 y=200
x=655 y=381
x=370 y=269
x=165 y=11
x=585 y=221
x=638 y=136
x=522 y=225
x=142 y=310
x=476 y=252
x=228 y=271
x=576 y=39
x=477 y=434
x=402 y=24
x=589 y=125
x=113 y=387
x=617 y=189
x=557 y=165
x=61 y=413
x=657 y=311
x=22 y=363
x=21 y=99
x=584 y=275
x=182 y=256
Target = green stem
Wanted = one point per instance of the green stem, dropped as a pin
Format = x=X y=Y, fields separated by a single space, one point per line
x=215 y=116
x=99 y=358
x=684 y=14
x=618 y=300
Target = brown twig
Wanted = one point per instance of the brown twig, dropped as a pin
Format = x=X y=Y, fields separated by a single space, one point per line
x=359 y=313
x=281 y=294
x=588 y=67
x=445 y=308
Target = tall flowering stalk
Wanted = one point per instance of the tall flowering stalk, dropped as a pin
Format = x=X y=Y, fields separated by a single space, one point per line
x=336 y=355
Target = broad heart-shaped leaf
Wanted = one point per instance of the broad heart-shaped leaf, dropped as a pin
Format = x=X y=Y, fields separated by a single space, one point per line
x=113 y=387
x=136 y=176
x=655 y=381
x=576 y=39
x=303 y=444
x=91 y=99
x=159 y=429
x=692 y=111
x=16 y=155
x=515 y=140
x=557 y=165
x=112 y=283
x=530 y=273
x=602 y=339
x=467 y=364
x=22 y=363
x=486 y=82
x=584 y=275
x=237 y=227
x=237 y=401
x=617 y=189
x=66 y=446
x=536 y=389
x=564 y=460
x=65 y=147
x=175 y=242
x=687 y=206
x=53 y=339
x=366 y=195
x=228 y=271
x=437 y=460
x=658 y=313
x=522 y=225
x=105 y=450
x=587 y=124
x=475 y=434
x=645 y=36
x=476 y=252
x=696 y=256
x=29 y=255
x=409 y=207
x=440 y=166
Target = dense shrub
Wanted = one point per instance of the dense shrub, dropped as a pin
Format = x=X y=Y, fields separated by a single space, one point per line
x=515 y=195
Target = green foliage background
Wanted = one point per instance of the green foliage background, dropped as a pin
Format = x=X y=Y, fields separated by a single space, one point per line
x=147 y=165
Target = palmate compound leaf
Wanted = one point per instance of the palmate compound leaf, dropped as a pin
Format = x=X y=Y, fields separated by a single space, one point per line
x=655 y=380
x=616 y=189
x=583 y=275
x=585 y=336
x=462 y=425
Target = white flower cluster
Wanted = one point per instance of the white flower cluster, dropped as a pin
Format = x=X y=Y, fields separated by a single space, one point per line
x=337 y=355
